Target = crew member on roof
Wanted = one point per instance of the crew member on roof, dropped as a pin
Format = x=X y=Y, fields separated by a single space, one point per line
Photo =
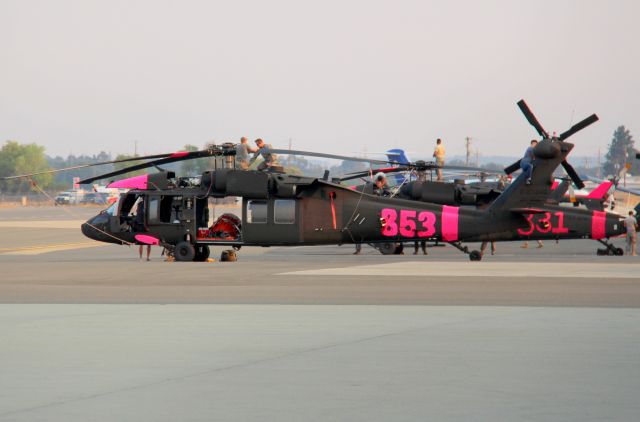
x=438 y=154
x=526 y=164
x=242 y=154
x=270 y=159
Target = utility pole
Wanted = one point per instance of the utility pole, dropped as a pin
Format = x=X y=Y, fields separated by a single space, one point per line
x=289 y=158
x=468 y=144
x=135 y=148
x=599 y=164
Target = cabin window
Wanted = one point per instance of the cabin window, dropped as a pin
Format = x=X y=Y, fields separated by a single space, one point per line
x=160 y=209
x=284 y=211
x=165 y=208
x=256 y=212
x=154 y=203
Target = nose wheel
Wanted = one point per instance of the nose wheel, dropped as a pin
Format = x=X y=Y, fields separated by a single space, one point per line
x=473 y=255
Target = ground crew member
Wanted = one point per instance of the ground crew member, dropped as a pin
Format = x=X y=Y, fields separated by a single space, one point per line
x=422 y=244
x=526 y=164
x=358 y=249
x=380 y=187
x=438 y=154
x=270 y=159
x=242 y=154
x=139 y=226
x=631 y=224
x=484 y=245
x=525 y=245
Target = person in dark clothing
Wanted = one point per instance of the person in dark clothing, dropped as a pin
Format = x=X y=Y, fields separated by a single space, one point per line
x=138 y=224
x=422 y=244
x=358 y=249
x=526 y=164
x=484 y=245
x=380 y=187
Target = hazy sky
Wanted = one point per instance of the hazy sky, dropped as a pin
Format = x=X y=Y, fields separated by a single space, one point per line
x=334 y=76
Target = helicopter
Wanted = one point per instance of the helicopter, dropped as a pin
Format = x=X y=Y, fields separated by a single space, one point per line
x=285 y=210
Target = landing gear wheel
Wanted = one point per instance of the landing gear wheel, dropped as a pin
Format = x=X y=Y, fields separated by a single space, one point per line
x=388 y=248
x=475 y=256
x=184 y=251
x=202 y=253
x=611 y=250
x=399 y=249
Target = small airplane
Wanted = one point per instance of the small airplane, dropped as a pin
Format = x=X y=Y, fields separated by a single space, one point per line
x=593 y=200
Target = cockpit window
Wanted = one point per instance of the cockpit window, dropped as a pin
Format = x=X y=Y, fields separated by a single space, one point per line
x=113 y=209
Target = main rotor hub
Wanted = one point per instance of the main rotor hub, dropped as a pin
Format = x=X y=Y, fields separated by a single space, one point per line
x=547 y=149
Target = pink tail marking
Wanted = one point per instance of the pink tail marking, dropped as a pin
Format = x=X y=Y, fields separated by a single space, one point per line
x=600 y=191
x=598 y=224
x=449 y=223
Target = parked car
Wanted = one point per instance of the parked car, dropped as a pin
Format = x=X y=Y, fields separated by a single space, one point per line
x=64 y=198
x=99 y=198
x=69 y=197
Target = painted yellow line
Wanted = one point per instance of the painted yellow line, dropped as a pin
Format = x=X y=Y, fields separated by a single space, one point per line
x=41 y=249
x=42 y=246
x=42 y=224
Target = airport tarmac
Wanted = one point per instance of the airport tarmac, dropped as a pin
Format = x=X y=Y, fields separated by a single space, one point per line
x=311 y=333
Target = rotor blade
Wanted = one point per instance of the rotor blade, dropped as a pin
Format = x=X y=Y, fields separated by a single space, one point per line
x=513 y=167
x=463 y=168
x=332 y=156
x=578 y=126
x=572 y=174
x=359 y=174
x=420 y=166
x=80 y=166
x=172 y=158
x=531 y=118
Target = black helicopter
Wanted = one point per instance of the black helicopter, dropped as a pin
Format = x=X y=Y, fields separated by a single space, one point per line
x=280 y=209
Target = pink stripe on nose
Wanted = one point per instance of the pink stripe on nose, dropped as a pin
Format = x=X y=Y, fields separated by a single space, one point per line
x=449 y=223
x=137 y=182
x=598 y=224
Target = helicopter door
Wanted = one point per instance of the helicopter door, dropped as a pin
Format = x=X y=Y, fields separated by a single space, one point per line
x=318 y=220
x=271 y=222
